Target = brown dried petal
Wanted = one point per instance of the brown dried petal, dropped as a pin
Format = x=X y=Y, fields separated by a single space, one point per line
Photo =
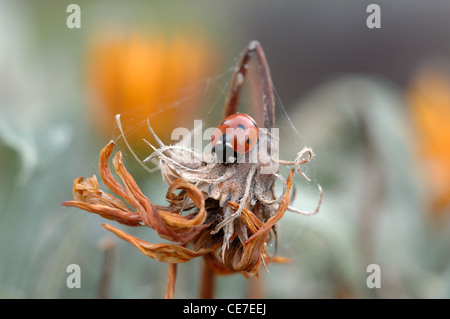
x=88 y=191
x=134 y=195
x=168 y=225
x=107 y=177
x=89 y=197
x=151 y=217
x=169 y=253
x=251 y=221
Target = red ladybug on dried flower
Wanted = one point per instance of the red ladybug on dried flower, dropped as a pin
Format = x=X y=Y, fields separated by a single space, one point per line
x=236 y=134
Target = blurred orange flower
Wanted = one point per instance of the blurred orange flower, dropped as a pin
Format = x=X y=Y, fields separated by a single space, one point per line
x=429 y=97
x=140 y=75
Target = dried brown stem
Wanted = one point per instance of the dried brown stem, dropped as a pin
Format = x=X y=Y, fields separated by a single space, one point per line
x=171 y=279
x=207 y=282
x=231 y=104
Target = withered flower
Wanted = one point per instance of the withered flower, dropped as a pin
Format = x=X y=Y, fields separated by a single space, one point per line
x=230 y=209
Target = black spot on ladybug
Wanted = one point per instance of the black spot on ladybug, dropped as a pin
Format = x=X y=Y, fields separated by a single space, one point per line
x=241 y=126
x=248 y=140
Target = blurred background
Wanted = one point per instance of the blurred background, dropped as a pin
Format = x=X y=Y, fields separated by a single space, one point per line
x=374 y=104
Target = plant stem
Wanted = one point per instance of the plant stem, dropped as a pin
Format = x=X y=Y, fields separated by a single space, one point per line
x=171 y=278
x=207 y=284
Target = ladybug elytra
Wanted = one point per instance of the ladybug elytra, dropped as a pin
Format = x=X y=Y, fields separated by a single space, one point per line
x=236 y=134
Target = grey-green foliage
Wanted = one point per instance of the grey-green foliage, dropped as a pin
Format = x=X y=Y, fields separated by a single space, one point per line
x=373 y=209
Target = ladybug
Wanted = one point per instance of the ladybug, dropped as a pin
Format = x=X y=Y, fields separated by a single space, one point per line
x=236 y=134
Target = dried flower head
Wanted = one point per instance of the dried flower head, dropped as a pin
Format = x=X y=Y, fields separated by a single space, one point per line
x=225 y=212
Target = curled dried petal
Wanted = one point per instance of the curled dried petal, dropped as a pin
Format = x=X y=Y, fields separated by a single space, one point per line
x=280 y=212
x=247 y=257
x=178 y=221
